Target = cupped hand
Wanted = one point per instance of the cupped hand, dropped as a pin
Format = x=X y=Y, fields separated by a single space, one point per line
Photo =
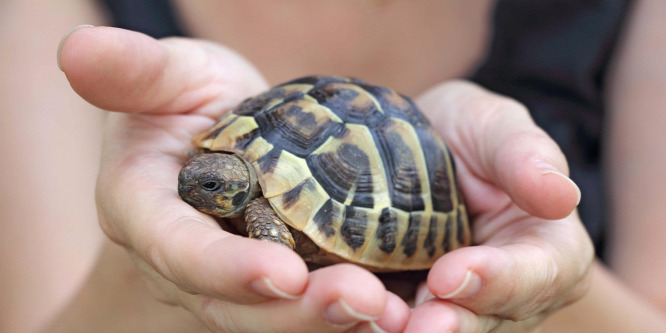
x=532 y=253
x=166 y=92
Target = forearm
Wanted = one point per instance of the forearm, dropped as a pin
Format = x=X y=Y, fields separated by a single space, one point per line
x=636 y=155
x=115 y=299
x=49 y=143
x=609 y=306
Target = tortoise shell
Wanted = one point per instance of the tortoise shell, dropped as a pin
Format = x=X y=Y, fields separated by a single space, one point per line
x=355 y=167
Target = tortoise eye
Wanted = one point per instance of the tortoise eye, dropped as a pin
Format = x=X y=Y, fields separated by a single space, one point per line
x=211 y=185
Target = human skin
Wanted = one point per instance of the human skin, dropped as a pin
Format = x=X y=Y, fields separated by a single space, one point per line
x=49 y=239
x=500 y=168
x=231 y=276
x=636 y=87
x=628 y=295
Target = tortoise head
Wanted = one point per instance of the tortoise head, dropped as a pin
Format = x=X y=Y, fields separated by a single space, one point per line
x=217 y=184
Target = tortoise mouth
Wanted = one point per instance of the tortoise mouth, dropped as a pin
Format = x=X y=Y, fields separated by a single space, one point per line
x=189 y=194
x=197 y=202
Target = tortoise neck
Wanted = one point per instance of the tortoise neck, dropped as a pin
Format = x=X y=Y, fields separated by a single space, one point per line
x=254 y=190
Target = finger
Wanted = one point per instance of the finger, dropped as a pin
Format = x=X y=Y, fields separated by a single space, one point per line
x=337 y=298
x=525 y=276
x=497 y=143
x=423 y=294
x=140 y=209
x=393 y=319
x=127 y=71
x=202 y=259
x=440 y=316
x=196 y=255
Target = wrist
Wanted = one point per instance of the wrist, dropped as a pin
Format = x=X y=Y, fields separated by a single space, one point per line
x=609 y=306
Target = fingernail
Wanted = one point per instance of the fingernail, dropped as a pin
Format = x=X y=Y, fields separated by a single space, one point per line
x=341 y=314
x=372 y=327
x=468 y=288
x=424 y=297
x=264 y=286
x=375 y=328
x=547 y=168
x=64 y=38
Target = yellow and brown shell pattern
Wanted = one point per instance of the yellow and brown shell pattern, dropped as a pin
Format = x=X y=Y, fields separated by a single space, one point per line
x=355 y=167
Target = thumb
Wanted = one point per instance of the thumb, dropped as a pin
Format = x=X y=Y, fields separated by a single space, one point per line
x=127 y=71
x=498 y=144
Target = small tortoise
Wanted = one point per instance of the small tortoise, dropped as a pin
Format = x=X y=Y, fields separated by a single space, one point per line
x=335 y=168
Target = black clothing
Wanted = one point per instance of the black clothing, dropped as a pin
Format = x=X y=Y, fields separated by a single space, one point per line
x=155 y=18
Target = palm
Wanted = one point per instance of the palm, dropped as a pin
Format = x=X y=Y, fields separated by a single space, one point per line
x=509 y=172
x=172 y=90
x=151 y=149
x=168 y=91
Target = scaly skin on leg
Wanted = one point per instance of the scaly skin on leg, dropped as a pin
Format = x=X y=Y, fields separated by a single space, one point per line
x=262 y=223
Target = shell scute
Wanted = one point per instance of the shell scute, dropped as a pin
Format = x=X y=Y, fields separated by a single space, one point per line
x=350 y=102
x=280 y=171
x=267 y=100
x=397 y=106
x=299 y=126
x=355 y=167
x=296 y=205
x=318 y=80
x=351 y=169
x=405 y=165
x=440 y=171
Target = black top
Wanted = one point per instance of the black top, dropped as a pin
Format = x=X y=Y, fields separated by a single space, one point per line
x=552 y=56
x=152 y=17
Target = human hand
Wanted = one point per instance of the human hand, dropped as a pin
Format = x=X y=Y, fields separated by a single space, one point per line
x=166 y=92
x=533 y=253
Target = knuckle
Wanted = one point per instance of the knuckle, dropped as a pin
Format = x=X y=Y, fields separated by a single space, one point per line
x=541 y=296
x=158 y=288
x=220 y=317
x=547 y=289
x=555 y=290
x=578 y=290
x=497 y=108
x=155 y=251
x=174 y=256
x=112 y=200
x=110 y=230
x=491 y=324
x=552 y=278
x=107 y=215
x=157 y=291
x=577 y=284
x=508 y=104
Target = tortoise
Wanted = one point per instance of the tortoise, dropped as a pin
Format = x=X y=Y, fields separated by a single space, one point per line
x=335 y=168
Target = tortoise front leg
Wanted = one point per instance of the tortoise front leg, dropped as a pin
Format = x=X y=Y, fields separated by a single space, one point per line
x=262 y=223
